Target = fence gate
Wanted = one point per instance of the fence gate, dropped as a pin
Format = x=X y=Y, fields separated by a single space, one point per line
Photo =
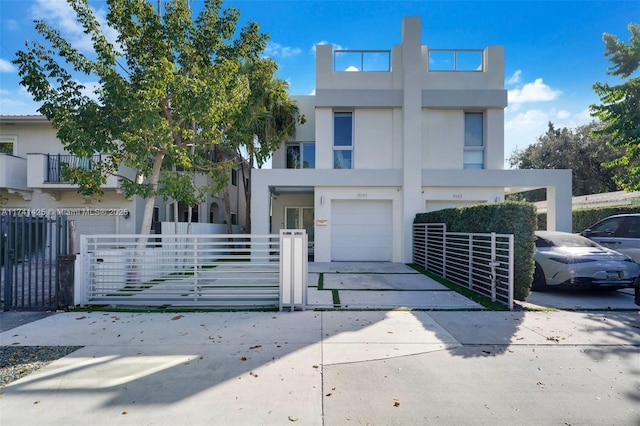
x=29 y=250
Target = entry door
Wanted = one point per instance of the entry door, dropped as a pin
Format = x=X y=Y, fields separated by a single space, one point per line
x=300 y=218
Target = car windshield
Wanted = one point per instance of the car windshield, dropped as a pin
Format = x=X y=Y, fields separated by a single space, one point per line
x=570 y=241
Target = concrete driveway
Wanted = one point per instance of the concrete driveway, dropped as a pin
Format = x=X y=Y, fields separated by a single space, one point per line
x=583 y=299
x=379 y=285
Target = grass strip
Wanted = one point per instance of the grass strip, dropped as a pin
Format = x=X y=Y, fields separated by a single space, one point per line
x=469 y=294
x=336 y=298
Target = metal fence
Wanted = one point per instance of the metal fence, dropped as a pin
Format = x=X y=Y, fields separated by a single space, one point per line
x=183 y=270
x=482 y=262
x=29 y=247
x=57 y=162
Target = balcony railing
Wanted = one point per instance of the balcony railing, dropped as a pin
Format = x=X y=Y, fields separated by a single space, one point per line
x=56 y=162
x=456 y=60
x=13 y=172
x=362 y=60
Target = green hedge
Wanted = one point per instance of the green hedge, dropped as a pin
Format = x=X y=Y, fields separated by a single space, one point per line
x=584 y=218
x=517 y=218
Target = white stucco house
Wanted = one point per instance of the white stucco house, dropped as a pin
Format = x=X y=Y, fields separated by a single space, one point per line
x=389 y=134
x=31 y=158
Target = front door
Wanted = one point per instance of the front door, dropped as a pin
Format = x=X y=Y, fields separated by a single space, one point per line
x=301 y=218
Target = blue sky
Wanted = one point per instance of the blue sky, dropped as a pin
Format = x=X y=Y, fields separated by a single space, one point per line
x=553 y=49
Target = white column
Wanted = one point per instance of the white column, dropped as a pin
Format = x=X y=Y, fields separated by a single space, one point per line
x=412 y=69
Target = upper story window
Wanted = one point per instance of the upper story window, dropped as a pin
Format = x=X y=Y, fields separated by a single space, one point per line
x=301 y=155
x=473 y=140
x=342 y=140
x=234 y=177
x=7 y=144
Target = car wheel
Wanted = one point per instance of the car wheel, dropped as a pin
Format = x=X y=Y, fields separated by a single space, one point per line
x=539 y=283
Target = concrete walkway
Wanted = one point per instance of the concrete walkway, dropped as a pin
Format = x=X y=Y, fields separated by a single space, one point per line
x=330 y=368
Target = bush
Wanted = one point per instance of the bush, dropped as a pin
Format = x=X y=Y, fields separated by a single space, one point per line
x=517 y=218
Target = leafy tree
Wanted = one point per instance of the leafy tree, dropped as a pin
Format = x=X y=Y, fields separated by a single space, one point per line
x=620 y=108
x=167 y=91
x=579 y=150
x=265 y=122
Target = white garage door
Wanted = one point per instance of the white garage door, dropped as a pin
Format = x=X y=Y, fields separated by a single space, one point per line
x=361 y=230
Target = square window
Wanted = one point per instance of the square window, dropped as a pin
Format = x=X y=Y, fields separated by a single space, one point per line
x=342 y=159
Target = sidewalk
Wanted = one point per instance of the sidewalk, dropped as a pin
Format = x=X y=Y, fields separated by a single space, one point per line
x=330 y=368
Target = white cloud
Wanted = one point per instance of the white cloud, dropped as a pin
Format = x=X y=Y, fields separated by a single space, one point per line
x=313 y=92
x=352 y=68
x=528 y=119
x=277 y=50
x=515 y=78
x=537 y=91
x=11 y=24
x=524 y=128
x=62 y=17
x=6 y=66
x=90 y=88
x=324 y=42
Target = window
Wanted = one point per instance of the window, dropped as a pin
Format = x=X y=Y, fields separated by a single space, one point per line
x=342 y=140
x=234 y=177
x=301 y=155
x=234 y=219
x=7 y=144
x=473 y=140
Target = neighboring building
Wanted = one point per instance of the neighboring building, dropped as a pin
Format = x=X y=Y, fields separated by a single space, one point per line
x=390 y=134
x=31 y=181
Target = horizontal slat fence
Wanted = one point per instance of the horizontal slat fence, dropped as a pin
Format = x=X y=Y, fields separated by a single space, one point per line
x=181 y=270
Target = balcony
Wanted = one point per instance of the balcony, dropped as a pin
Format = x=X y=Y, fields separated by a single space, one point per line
x=362 y=60
x=45 y=171
x=456 y=60
x=13 y=174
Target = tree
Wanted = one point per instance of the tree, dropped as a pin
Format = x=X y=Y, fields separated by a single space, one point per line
x=620 y=108
x=578 y=150
x=168 y=91
x=266 y=121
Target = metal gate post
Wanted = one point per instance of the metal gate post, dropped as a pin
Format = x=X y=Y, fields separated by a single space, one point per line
x=66 y=280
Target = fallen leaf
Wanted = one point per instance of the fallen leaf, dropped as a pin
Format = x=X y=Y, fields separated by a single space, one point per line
x=396 y=404
x=37 y=402
x=124 y=413
x=255 y=347
x=244 y=358
x=177 y=317
x=329 y=394
x=253 y=374
x=316 y=366
x=293 y=419
x=540 y=384
x=80 y=318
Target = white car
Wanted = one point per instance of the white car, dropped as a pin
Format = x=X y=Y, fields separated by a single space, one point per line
x=570 y=260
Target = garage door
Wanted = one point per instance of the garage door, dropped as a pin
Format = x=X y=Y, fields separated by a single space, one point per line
x=361 y=230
